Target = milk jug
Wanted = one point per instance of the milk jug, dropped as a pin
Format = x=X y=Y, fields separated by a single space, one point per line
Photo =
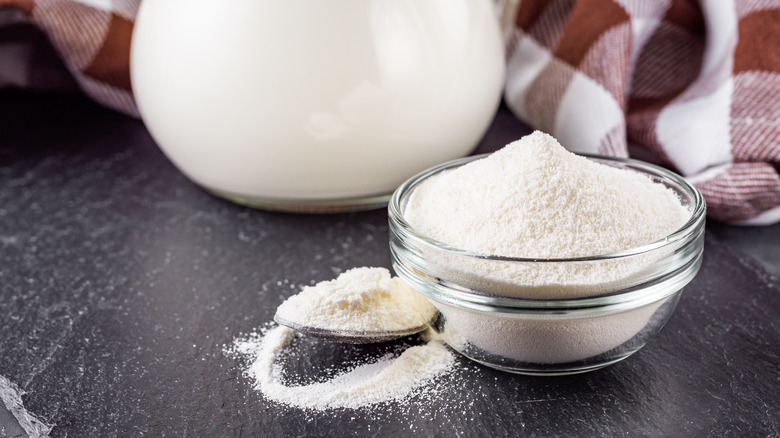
x=315 y=105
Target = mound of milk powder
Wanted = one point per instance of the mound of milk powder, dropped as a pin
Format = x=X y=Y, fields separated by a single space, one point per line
x=360 y=299
x=534 y=199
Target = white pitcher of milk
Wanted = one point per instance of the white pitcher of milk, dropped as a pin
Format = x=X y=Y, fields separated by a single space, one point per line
x=315 y=105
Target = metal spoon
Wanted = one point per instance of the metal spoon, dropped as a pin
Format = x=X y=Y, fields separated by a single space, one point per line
x=350 y=336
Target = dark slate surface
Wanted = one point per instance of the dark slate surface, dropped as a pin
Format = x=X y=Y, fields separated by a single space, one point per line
x=121 y=282
x=9 y=425
x=760 y=243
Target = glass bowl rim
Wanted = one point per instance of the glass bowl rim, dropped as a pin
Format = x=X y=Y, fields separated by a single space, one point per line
x=685 y=231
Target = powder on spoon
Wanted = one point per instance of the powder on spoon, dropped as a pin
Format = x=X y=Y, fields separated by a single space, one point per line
x=360 y=299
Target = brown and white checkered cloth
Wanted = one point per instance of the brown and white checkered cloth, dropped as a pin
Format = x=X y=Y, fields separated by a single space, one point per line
x=55 y=44
x=692 y=85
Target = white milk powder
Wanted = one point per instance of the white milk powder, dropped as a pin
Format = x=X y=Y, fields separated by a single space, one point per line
x=361 y=299
x=534 y=199
x=547 y=340
x=386 y=380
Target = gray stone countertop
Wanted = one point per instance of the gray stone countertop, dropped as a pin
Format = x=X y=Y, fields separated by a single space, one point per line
x=121 y=282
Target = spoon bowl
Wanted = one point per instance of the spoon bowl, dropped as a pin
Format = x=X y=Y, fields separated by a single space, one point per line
x=351 y=336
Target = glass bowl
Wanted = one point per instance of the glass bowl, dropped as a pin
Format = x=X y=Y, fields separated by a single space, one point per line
x=583 y=321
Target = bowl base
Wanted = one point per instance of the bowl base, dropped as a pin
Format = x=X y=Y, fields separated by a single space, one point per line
x=554 y=369
x=335 y=205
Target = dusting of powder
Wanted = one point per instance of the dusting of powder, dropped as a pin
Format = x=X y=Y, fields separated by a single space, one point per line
x=389 y=379
x=360 y=299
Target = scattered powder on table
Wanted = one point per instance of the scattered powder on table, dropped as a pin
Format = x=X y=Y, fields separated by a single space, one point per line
x=360 y=299
x=389 y=379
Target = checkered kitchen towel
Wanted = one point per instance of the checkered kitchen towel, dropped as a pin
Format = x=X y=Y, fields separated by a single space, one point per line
x=56 y=44
x=692 y=85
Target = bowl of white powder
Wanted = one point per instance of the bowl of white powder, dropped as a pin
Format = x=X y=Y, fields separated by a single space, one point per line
x=545 y=262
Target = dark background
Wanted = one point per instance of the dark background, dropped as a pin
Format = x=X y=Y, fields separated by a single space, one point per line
x=121 y=283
